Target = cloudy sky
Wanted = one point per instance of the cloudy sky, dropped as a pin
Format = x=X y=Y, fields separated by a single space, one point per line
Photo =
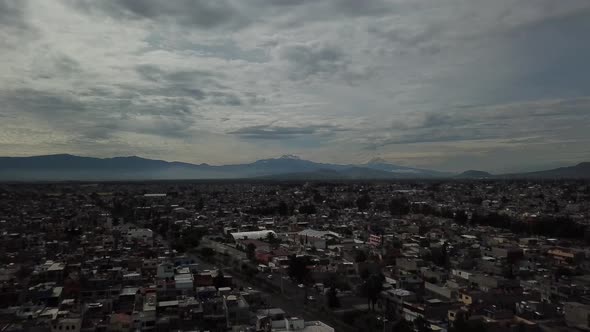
x=498 y=85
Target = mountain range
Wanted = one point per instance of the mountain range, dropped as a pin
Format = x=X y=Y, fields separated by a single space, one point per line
x=63 y=167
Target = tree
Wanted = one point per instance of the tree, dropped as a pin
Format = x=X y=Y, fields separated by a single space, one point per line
x=251 y=251
x=207 y=253
x=307 y=209
x=192 y=239
x=368 y=322
x=403 y=326
x=318 y=198
x=373 y=287
x=298 y=268
x=332 y=297
x=440 y=256
x=363 y=202
x=200 y=204
x=461 y=325
x=283 y=208
x=361 y=256
x=364 y=273
x=399 y=206
x=421 y=324
x=219 y=280
x=248 y=271
x=461 y=217
x=178 y=246
x=272 y=239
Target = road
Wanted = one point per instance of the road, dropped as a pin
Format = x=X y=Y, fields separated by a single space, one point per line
x=291 y=301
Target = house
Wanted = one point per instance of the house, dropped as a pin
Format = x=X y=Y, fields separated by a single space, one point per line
x=300 y=325
x=394 y=299
x=66 y=324
x=237 y=310
x=565 y=256
x=140 y=235
x=314 y=238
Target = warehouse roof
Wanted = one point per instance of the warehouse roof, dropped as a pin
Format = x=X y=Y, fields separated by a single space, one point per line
x=254 y=235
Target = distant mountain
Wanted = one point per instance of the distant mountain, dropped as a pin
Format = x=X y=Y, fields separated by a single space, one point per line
x=579 y=171
x=63 y=167
x=69 y=167
x=402 y=171
x=350 y=173
x=474 y=174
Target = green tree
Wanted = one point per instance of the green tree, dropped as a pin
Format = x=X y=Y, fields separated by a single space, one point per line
x=421 y=324
x=298 y=268
x=207 y=253
x=219 y=280
x=192 y=239
x=403 y=326
x=399 y=206
x=272 y=239
x=178 y=245
x=283 y=209
x=461 y=325
x=307 y=209
x=373 y=287
x=332 y=297
x=361 y=256
x=251 y=251
x=363 y=202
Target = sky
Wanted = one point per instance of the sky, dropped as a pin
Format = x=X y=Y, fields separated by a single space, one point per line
x=500 y=85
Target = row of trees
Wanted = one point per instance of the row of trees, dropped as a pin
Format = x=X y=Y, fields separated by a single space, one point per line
x=186 y=240
x=550 y=226
x=397 y=206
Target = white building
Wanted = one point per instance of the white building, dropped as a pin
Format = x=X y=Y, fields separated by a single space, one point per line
x=184 y=282
x=254 y=235
x=142 y=235
x=300 y=325
x=165 y=270
x=147 y=317
x=317 y=239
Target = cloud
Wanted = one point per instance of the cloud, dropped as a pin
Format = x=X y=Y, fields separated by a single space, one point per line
x=200 y=13
x=15 y=28
x=535 y=122
x=439 y=83
x=307 y=60
x=271 y=132
x=12 y=13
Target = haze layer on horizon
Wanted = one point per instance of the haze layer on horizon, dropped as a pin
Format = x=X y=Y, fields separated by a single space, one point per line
x=498 y=85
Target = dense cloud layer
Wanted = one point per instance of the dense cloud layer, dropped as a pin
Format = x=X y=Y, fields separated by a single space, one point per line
x=452 y=84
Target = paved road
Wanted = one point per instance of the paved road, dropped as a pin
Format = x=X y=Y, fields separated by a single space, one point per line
x=291 y=301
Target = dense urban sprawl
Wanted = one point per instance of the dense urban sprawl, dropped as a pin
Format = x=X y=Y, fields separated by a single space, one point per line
x=289 y=256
